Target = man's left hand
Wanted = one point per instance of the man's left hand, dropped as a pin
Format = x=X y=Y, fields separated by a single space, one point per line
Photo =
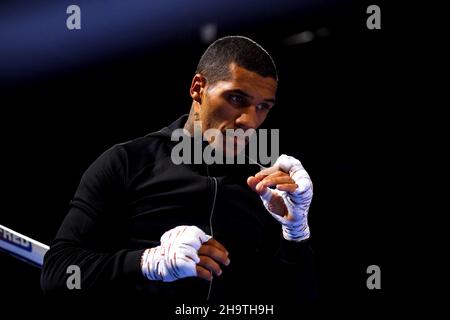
x=291 y=197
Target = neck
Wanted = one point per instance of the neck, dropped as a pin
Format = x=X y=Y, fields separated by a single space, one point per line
x=189 y=125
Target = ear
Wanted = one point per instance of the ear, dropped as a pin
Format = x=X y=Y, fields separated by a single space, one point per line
x=197 y=87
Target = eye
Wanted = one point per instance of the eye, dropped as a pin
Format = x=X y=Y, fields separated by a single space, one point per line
x=237 y=99
x=263 y=106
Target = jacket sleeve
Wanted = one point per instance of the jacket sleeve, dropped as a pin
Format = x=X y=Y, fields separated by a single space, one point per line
x=89 y=236
x=295 y=264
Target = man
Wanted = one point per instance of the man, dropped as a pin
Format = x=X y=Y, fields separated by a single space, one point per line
x=205 y=233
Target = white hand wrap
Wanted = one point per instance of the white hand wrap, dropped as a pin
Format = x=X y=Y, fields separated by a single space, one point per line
x=176 y=257
x=296 y=227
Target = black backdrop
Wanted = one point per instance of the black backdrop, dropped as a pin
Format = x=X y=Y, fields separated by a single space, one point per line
x=336 y=112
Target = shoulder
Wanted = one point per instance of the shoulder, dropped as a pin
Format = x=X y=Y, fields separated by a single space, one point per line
x=140 y=151
x=129 y=158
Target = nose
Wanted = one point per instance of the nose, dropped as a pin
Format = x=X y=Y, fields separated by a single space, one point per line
x=248 y=119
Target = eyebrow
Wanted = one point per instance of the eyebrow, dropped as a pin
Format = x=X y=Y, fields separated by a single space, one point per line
x=243 y=93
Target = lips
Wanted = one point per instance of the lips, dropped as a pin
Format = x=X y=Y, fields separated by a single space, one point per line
x=237 y=141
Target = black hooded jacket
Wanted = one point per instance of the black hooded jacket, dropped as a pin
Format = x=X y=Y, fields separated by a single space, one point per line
x=133 y=193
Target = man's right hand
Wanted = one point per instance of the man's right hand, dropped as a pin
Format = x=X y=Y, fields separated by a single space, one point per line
x=185 y=251
x=210 y=253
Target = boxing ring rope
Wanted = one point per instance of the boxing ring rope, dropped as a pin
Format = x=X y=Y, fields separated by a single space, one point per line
x=22 y=247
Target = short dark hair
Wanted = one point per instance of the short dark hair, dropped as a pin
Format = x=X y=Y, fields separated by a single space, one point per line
x=215 y=62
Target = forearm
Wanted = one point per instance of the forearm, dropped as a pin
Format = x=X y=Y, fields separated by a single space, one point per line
x=295 y=261
x=93 y=246
x=291 y=252
x=99 y=271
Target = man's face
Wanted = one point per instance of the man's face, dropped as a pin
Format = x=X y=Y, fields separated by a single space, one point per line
x=242 y=102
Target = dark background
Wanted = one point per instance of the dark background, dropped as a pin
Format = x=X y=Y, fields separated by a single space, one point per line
x=69 y=95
